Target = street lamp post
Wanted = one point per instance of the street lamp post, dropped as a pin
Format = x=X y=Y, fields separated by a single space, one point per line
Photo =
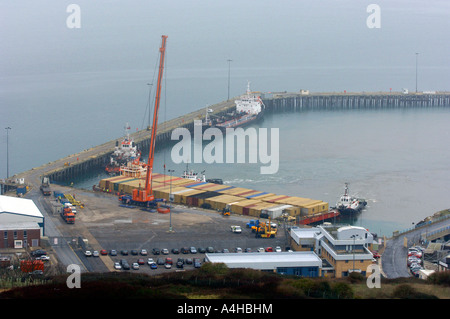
x=170 y=199
x=229 y=63
x=7 y=151
x=417 y=55
x=353 y=249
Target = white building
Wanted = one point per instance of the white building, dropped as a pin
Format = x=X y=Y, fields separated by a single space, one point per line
x=345 y=248
x=21 y=222
x=300 y=263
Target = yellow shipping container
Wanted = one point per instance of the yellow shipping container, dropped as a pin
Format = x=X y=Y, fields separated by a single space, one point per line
x=235 y=190
x=221 y=201
x=261 y=197
x=255 y=211
x=240 y=207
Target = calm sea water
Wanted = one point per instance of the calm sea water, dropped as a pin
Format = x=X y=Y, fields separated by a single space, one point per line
x=398 y=160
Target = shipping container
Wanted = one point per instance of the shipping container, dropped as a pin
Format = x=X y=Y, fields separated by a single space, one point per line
x=235 y=190
x=182 y=197
x=199 y=198
x=275 y=198
x=274 y=212
x=309 y=210
x=238 y=208
x=260 y=195
x=221 y=202
x=224 y=188
x=255 y=210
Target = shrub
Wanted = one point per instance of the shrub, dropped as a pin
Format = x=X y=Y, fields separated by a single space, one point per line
x=342 y=290
x=440 y=278
x=405 y=291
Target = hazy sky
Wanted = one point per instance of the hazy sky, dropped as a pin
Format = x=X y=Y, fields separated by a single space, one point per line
x=260 y=34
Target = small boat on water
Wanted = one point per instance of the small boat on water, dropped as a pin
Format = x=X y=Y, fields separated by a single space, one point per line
x=190 y=174
x=350 y=205
x=124 y=152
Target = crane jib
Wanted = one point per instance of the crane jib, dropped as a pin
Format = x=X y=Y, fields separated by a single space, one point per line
x=147 y=193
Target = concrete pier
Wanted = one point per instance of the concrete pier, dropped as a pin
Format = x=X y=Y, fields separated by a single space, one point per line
x=73 y=165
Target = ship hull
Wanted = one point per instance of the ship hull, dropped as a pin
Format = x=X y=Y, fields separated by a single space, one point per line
x=242 y=121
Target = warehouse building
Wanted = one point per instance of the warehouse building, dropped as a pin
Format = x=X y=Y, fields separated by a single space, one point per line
x=305 y=263
x=21 y=223
x=345 y=248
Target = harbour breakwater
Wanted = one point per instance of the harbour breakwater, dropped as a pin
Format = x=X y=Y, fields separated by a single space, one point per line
x=67 y=168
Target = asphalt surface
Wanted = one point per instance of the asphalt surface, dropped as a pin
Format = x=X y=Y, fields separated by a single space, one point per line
x=104 y=224
x=394 y=258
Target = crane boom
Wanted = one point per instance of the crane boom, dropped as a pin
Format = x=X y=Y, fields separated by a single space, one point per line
x=146 y=194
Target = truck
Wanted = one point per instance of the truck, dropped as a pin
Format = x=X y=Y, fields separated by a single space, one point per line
x=68 y=215
x=266 y=230
x=226 y=211
x=253 y=224
x=45 y=186
x=236 y=229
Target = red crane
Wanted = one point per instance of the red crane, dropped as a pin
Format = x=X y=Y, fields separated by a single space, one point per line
x=143 y=196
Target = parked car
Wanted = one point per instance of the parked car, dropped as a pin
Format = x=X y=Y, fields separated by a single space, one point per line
x=169 y=261
x=193 y=250
x=38 y=253
x=201 y=250
x=153 y=266
x=210 y=249
x=180 y=264
x=175 y=251
x=95 y=253
x=143 y=252
x=155 y=251
x=375 y=254
x=160 y=261
x=141 y=261
x=134 y=252
x=135 y=266
x=185 y=250
x=150 y=261
x=125 y=266
x=88 y=253
x=189 y=261
x=117 y=266
x=412 y=260
x=164 y=251
x=225 y=251
x=269 y=249
x=278 y=249
x=44 y=258
x=124 y=252
x=113 y=252
x=261 y=250
x=167 y=266
x=103 y=252
x=238 y=250
x=248 y=250
x=197 y=263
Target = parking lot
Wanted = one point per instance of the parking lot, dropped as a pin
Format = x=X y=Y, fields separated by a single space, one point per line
x=107 y=226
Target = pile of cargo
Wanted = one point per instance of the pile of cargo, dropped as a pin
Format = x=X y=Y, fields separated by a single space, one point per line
x=221 y=197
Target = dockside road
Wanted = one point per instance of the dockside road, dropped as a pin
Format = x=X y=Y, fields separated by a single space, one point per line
x=96 y=156
x=394 y=257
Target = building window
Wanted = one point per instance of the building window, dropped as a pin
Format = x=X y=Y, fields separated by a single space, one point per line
x=5 y=235
x=15 y=234
x=25 y=235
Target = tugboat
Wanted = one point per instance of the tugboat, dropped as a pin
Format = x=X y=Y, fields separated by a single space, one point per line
x=349 y=205
x=249 y=109
x=124 y=152
x=190 y=174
